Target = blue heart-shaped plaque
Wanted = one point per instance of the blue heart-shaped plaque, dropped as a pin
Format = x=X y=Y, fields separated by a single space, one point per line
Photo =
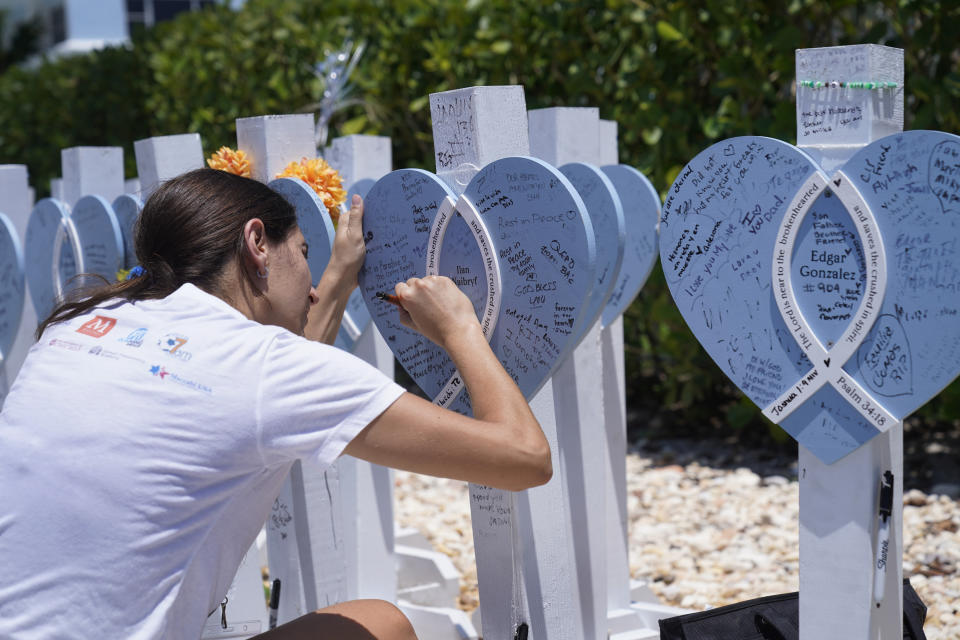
x=829 y=300
x=641 y=213
x=356 y=316
x=605 y=209
x=127 y=209
x=518 y=242
x=312 y=219
x=61 y=244
x=317 y=227
x=11 y=285
x=100 y=237
x=52 y=254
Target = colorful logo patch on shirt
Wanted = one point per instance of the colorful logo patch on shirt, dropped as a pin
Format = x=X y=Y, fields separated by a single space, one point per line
x=172 y=343
x=157 y=370
x=135 y=337
x=111 y=355
x=161 y=372
x=98 y=327
x=66 y=344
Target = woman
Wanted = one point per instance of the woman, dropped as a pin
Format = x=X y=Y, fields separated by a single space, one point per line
x=152 y=425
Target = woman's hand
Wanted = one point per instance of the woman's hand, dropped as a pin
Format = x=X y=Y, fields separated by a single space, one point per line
x=349 y=249
x=501 y=446
x=435 y=307
x=339 y=278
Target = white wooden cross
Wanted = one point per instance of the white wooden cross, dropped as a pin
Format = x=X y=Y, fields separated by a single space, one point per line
x=615 y=424
x=163 y=157
x=589 y=392
x=56 y=189
x=330 y=536
x=526 y=572
x=296 y=538
x=92 y=171
x=838 y=502
x=632 y=608
x=423 y=582
x=559 y=136
x=366 y=489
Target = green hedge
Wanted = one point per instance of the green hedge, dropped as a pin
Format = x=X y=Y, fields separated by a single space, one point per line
x=676 y=76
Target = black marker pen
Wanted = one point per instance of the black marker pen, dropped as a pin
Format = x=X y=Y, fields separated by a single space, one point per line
x=274 y=603
x=392 y=299
x=884 y=514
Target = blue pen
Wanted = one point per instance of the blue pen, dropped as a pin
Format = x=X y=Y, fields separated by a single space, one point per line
x=885 y=512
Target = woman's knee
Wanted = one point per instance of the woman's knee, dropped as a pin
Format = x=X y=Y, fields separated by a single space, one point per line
x=382 y=617
x=352 y=620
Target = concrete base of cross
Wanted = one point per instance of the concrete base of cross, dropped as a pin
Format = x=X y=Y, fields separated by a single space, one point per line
x=640 y=620
x=439 y=623
x=424 y=576
x=428 y=584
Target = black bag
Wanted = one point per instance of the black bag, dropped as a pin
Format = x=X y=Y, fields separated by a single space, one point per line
x=771 y=618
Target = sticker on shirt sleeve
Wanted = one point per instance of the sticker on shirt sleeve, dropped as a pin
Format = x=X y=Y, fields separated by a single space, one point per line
x=172 y=343
x=98 y=326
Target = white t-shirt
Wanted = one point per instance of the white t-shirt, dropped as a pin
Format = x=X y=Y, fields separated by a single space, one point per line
x=141 y=449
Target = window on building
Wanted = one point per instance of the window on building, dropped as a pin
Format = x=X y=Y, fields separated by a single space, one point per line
x=146 y=13
x=58 y=24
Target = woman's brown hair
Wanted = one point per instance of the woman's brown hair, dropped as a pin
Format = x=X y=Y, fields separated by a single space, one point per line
x=188 y=231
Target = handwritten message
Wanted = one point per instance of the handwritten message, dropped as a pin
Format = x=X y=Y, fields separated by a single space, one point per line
x=536 y=224
x=453 y=120
x=944 y=175
x=605 y=209
x=837 y=113
x=99 y=236
x=848 y=323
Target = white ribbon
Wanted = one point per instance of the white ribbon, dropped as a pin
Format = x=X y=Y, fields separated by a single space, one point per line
x=828 y=363
x=66 y=232
x=491 y=265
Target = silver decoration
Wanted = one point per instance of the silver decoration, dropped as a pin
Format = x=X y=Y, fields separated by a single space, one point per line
x=335 y=72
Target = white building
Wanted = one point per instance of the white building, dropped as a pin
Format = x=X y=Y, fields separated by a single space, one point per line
x=82 y=25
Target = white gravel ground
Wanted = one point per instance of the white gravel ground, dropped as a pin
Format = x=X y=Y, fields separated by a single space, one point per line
x=707 y=532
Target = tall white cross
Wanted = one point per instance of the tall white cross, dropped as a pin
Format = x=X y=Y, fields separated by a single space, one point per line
x=366 y=489
x=92 y=171
x=559 y=136
x=303 y=551
x=163 y=157
x=471 y=128
x=838 y=502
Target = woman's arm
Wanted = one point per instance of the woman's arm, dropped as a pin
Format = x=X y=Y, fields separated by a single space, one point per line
x=502 y=446
x=339 y=279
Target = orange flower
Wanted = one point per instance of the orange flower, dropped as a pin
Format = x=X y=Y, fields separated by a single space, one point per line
x=323 y=179
x=235 y=162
